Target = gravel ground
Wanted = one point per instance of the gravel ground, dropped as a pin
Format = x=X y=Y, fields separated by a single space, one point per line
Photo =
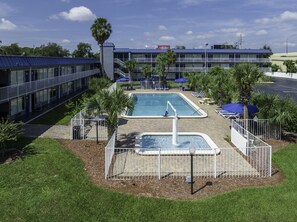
x=92 y=156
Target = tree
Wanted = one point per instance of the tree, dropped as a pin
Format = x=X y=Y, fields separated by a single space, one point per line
x=51 y=49
x=161 y=67
x=146 y=69
x=170 y=58
x=130 y=65
x=290 y=65
x=12 y=49
x=9 y=131
x=83 y=50
x=245 y=76
x=275 y=67
x=101 y=30
x=221 y=84
x=97 y=84
x=113 y=104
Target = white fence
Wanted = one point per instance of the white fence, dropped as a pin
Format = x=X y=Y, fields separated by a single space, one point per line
x=262 y=128
x=92 y=128
x=109 y=153
x=125 y=163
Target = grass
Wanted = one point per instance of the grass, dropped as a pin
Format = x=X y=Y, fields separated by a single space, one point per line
x=50 y=184
x=58 y=116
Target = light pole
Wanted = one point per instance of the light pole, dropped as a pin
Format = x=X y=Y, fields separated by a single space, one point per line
x=192 y=151
x=206 y=44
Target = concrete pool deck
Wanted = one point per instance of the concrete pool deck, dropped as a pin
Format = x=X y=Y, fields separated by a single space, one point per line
x=215 y=126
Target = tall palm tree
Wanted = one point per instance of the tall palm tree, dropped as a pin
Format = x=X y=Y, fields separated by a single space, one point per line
x=130 y=66
x=146 y=69
x=161 y=66
x=246 y=75
x=111 y=103
x=101 y=30
x=170 y=58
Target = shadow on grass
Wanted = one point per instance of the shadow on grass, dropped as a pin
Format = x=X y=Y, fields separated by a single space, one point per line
x=18 y=150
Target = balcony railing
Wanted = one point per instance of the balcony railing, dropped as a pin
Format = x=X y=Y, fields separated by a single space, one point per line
x=13 y=91
x=201 y=60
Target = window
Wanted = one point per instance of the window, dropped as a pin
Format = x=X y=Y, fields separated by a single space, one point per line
x=17 y=105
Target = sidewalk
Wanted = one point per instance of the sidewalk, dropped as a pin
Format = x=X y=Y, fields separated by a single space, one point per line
x=47 y=131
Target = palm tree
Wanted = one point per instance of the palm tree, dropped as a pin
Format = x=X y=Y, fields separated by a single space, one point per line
x=161 y=66
x=130 y=66
x=246 y=75
x=170 y=56
x=101 y=30
x=146 y=72
x=111 y=103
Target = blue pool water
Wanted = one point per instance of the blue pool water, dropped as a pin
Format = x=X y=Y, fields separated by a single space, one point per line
x=154 y=104
x=154 y=142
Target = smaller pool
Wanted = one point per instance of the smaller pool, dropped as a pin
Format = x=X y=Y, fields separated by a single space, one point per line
x=150 y=144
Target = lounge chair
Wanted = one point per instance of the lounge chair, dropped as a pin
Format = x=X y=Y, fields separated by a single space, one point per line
x=198 y=95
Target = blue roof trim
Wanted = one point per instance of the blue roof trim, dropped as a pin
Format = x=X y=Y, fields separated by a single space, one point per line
x=28 y=61
x=227 y=51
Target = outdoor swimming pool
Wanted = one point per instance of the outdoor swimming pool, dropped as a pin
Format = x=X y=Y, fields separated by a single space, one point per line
x=154 y=105
x=153 y=143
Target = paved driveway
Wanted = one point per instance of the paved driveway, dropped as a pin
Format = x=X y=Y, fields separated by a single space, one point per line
x=281 y=86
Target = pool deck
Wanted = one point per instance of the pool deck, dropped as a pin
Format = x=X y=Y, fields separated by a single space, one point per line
x=215 y=126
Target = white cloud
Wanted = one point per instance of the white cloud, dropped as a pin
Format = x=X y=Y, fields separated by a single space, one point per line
x=162 y=28
x=261 y=32
x=240 y=34
x=54 y=17
x=6 y=25
x=188 y=3
x=66 y=1
x=147 y=34
x=80 y=14
x=229 y=30
x=66 y=41
x=132 y=40
x=189 y=32
x=285 y=16
x=166 y=38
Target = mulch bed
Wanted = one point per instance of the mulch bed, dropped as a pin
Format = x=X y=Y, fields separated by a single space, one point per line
x=171 y=188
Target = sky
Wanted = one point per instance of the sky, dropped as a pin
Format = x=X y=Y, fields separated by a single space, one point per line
x=148 y=23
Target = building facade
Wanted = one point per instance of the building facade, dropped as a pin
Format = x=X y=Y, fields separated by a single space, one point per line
x=187 y=60
x=28 y=85
x=279 y=59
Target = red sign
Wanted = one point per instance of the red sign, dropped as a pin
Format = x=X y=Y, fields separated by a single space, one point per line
x=163 y=46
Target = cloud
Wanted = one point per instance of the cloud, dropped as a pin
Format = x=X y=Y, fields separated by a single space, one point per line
x=189 y=32
x=261 y=32
x=132 y=39
x=66 y=41
x=283 y=17
x=166 y=38
x=189 y=3
x=147 y=34
x=54 y=17
x=240 y=34
x=162 y=28
x=229 y=30
x=66 y=1
x=80 y=14
x=6 y=25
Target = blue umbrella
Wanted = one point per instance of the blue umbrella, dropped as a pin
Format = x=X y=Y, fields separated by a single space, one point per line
x=238 y=108
x=181 y=80
x=122 y=80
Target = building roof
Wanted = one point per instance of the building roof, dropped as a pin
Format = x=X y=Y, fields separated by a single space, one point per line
x=198 y=51
x=30 y=61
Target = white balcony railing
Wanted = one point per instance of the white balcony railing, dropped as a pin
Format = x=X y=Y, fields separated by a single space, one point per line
x=13 y=91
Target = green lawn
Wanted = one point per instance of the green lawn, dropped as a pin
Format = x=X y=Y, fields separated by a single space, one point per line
x=50 y=184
